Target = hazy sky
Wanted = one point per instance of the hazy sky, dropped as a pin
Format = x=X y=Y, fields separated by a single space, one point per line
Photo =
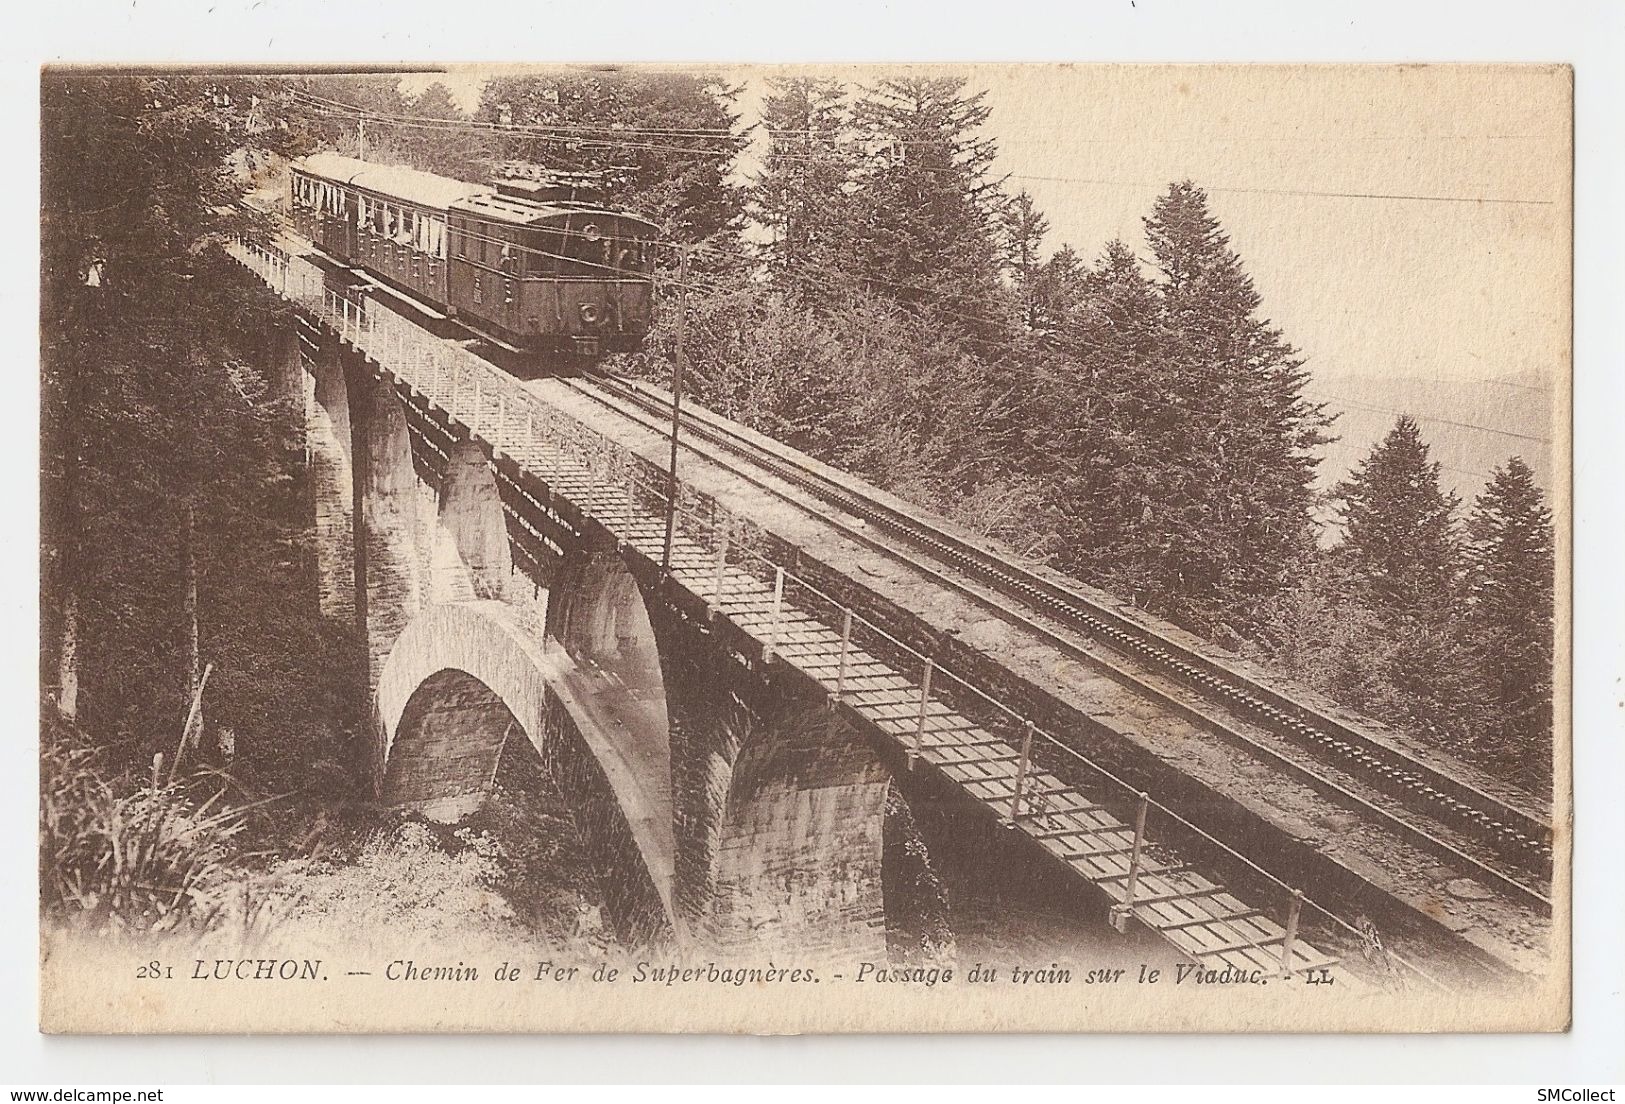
x=1456 y=284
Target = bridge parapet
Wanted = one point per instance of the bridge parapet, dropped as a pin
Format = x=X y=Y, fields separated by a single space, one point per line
x=725 y=568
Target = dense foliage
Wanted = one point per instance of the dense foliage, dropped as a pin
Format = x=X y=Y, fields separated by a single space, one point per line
x=173 y=532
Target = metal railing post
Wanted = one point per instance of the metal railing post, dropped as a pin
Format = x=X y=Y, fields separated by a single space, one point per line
x=1021 y=771
x=715 y=604
x=846 y=646
x=773 y=618
x=925 y=698
x=1293 y=912
x=1122 y=913
x=631 y=502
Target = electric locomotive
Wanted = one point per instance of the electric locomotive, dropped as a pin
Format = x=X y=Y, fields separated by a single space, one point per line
x=523 y=262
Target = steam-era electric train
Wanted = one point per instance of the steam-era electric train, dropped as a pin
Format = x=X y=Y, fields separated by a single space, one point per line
x=523 y=262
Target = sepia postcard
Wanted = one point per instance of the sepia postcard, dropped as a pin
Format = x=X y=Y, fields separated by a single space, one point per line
x=905 y=548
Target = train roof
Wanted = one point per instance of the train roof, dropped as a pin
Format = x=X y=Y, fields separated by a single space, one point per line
x=522 y=212
x=431 y=190
x=412 y=185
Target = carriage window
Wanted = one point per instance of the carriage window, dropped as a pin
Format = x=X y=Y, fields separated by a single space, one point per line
x=482 y=237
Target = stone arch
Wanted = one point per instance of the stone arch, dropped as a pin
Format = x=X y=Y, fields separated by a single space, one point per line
x=388 y=521
x=471 y=558
x=464 y=677
x=445 y=747
x=600 y=617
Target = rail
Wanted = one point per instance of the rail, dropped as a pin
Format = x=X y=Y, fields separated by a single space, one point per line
x=486 y=401
x=1238 y=696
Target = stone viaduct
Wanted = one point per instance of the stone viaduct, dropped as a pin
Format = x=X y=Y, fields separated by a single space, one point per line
x=504 y=559
x=730 y=804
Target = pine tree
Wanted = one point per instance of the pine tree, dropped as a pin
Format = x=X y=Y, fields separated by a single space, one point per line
x=1402 y=552
x=927 y=207
x=1511 y=564
x=456 y=151
x=1237 y=415
x=1101 y=435
x=1400 y=536
x=1207 y=446
x=800 y=193
x=436 y=102
x=1058 y=297
x=1024 y=229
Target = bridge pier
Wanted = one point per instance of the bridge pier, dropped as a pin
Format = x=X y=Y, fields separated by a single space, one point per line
x=387 y=525
x=800 y=851
x=780 y=810
x=329 y=444
x=471 y=558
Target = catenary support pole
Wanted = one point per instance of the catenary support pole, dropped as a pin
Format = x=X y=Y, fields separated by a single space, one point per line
x=676 y=408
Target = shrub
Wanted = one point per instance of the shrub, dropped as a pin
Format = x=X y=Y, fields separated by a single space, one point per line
x=123 y=855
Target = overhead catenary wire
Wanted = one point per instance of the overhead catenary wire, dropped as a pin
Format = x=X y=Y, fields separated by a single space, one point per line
x=1358 y=405
x=629 y=138
x=665 y=279
x=1069 y=346
x=1188 y=408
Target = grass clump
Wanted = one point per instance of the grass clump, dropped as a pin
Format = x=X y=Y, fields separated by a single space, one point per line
x=128 y=855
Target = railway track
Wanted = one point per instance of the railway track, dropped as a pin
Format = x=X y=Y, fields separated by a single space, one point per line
x=1492 y=838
